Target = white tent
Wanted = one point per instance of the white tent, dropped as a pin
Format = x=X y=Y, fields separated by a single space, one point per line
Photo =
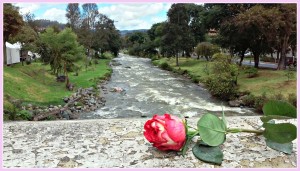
x=12 y=53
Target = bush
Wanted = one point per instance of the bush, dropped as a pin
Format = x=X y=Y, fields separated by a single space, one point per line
x=292 y=98
x=96 y=61
x=249 y=100
x=222 y=86
x=165 y=66
x=223 y=77
x=24 y=114
x=28 y=62
x=260 y=101
x=252 y=72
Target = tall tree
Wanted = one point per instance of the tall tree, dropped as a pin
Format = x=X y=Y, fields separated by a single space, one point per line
x=86 y=32
x=63 y=47
x=177 y=34
x=250 y=22
x=73 y=16
x=108 y=37
x=287 y=27
x=12 y=24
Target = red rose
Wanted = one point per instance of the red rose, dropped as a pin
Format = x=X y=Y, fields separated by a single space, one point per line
x=165 y=132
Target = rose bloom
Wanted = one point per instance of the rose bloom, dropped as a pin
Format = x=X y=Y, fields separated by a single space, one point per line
x=165 y=132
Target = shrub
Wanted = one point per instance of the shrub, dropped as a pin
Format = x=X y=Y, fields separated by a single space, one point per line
x=96 y=61
x=24 y=114
x=252 y=72
x=165 y=66
x=223 y=77
x=260 y=101
x=222 y=86
x=28 y=62
x=249 y=100
x=292 y=98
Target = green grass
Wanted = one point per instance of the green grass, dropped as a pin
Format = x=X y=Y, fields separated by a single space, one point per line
x=87 y=78
x=271 y=82
x=34 y=83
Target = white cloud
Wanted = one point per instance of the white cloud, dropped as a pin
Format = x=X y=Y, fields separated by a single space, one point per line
x=135 y=15
x=54 y=14
x=27 y=7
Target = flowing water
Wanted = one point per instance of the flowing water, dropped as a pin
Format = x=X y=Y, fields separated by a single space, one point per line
x=149 y=90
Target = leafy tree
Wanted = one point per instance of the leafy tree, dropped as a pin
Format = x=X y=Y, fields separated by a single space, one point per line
x=287 y=28
x=29 y=18
x=27 y=37
x=177 y=34
x=89 y=15
x=64 y=49
x=108 y=37
x=206 y=50
x=73 y=16
x=12 y=23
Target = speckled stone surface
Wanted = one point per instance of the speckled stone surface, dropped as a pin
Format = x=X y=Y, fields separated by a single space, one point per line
x=119 y=143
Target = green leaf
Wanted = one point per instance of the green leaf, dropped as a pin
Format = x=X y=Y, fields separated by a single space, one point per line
x=280 y=133
x=270 y=117
x=286 y=147
x=280 y=108
x=208 y=153
x=211 y=129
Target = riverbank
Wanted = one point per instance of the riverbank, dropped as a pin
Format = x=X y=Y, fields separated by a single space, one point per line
x=267 y=84
x=32 y=89
x=119 y=143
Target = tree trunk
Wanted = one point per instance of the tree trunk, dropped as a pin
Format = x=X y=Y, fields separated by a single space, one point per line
x=277 y=57
x=256 y=60
x=242 y=58
x=55 y=112
x=198 y=57
x=282 y=60
x=4 y=52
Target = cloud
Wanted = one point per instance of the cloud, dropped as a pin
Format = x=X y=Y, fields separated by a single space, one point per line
x=135 y=15
x=54 y=14
x=27 y=7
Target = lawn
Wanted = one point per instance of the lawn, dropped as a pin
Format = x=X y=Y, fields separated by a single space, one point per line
x=271 y=82
x=34 y=84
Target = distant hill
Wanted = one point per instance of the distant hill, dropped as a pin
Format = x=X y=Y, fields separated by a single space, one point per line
x=42 y=23
x=124 y=32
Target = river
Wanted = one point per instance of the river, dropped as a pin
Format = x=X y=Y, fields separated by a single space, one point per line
x=148 y=90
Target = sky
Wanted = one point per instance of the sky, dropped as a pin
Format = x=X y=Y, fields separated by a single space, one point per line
x=127 y=16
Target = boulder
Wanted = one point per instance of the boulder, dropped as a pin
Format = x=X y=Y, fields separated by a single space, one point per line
x=234 y=103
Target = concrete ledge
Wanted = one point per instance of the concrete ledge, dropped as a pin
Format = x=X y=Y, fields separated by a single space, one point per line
x=119 y=143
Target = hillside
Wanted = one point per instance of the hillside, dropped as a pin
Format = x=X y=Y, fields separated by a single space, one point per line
x=34 y=84
x=125 y=32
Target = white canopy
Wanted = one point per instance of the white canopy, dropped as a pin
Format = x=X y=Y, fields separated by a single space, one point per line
x=12 y=53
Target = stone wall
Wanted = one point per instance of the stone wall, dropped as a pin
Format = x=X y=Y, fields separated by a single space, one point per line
x=119 y=143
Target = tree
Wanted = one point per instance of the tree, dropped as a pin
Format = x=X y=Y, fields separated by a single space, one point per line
x=108 y=37
x=177 y=34
x=64 y=49
x=206 y=49
x=287 y=27
x=12 y=24
x=29 y=18
x=73 y=16
x=27 y=37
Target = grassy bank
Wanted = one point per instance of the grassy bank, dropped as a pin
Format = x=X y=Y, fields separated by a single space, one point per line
x=270 y=82
x=34 y=84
